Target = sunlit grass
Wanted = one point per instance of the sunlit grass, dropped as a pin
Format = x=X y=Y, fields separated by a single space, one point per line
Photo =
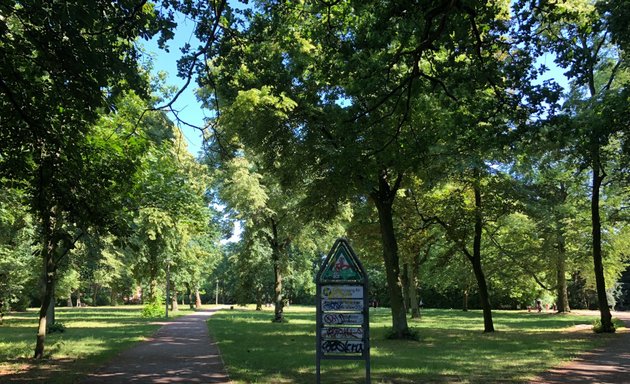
x=452 y=347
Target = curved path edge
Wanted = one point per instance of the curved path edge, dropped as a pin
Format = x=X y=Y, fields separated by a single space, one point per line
x=609 y=364
x=181 y=351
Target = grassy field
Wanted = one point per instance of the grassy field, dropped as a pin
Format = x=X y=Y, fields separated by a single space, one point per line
x=452 y=347
x=93 y=335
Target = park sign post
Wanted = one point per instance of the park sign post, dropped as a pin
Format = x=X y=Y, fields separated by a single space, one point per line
x=343 y=324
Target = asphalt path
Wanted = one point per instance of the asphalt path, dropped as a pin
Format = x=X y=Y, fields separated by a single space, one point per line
x=181 y=351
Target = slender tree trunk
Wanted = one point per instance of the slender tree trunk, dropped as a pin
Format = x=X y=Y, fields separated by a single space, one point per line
x=488 y=325
x=95 y=288
x=78 y=299
x=113 y=298
x=465 y=300
x=413 y=287
x=69 y=301
x=404 y=280
x=606 y=317
x=384 y=199
x=277 y=290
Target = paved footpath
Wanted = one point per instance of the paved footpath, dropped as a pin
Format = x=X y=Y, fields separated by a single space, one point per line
x=179 y=352
x=607 y=365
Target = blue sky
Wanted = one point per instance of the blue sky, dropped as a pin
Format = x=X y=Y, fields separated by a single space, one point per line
x=189 y=108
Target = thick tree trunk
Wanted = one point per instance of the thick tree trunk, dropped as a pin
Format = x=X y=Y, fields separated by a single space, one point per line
x=600 y=282
x=384 y=199
x=277 y=289
x=197 y=298
x=562 y=305
x=277 y=249
x=50 y=270
x=189 y=293
x=488 y=325
x=174 y=305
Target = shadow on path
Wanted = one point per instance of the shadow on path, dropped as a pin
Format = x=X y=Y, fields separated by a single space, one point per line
x=179 y=352
x=607 y=365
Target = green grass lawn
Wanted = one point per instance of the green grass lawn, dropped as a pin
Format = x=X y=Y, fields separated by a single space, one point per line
x=452 y=347
x=93 y=335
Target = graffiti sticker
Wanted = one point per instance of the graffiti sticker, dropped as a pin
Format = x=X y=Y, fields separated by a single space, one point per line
x=342 y=333
x=342 y=305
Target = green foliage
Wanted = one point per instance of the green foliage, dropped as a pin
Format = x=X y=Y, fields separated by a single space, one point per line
x=154 y=308
x=56 y=327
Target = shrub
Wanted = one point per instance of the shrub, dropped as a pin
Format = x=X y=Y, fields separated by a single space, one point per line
x=617 y=323
x=154 y=308
x=56 y=327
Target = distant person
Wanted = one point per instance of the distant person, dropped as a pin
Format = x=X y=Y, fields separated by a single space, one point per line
x=539 y=305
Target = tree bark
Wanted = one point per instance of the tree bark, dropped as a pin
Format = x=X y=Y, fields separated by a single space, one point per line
x=562 y=304
x=404 y=279
x=50 y=270
x=384 y=199
x=197 y=298
x=465 y=300
x=413 y=287
x=277 y=289
x=600 y=282
x=475 y=259
x=562 y=295
x=174 y=305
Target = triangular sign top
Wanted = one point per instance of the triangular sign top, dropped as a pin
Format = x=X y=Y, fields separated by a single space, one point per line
x=341 y=265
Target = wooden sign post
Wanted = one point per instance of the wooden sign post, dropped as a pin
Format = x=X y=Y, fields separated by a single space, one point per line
x=343 y=324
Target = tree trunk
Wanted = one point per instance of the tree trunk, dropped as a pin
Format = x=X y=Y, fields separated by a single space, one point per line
x=404 y=280
x=562 y=301
x=606 y=317
x=113 y=298
x=197 y=298
x=78 y=299
x=465 y=301
x=174 y=306
x=562 y=305
x=384 y=199
x=277 y=290
x=413 y=287
x=488 y=325
x=189 y=293
x=69 y=301
x=50 y=270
